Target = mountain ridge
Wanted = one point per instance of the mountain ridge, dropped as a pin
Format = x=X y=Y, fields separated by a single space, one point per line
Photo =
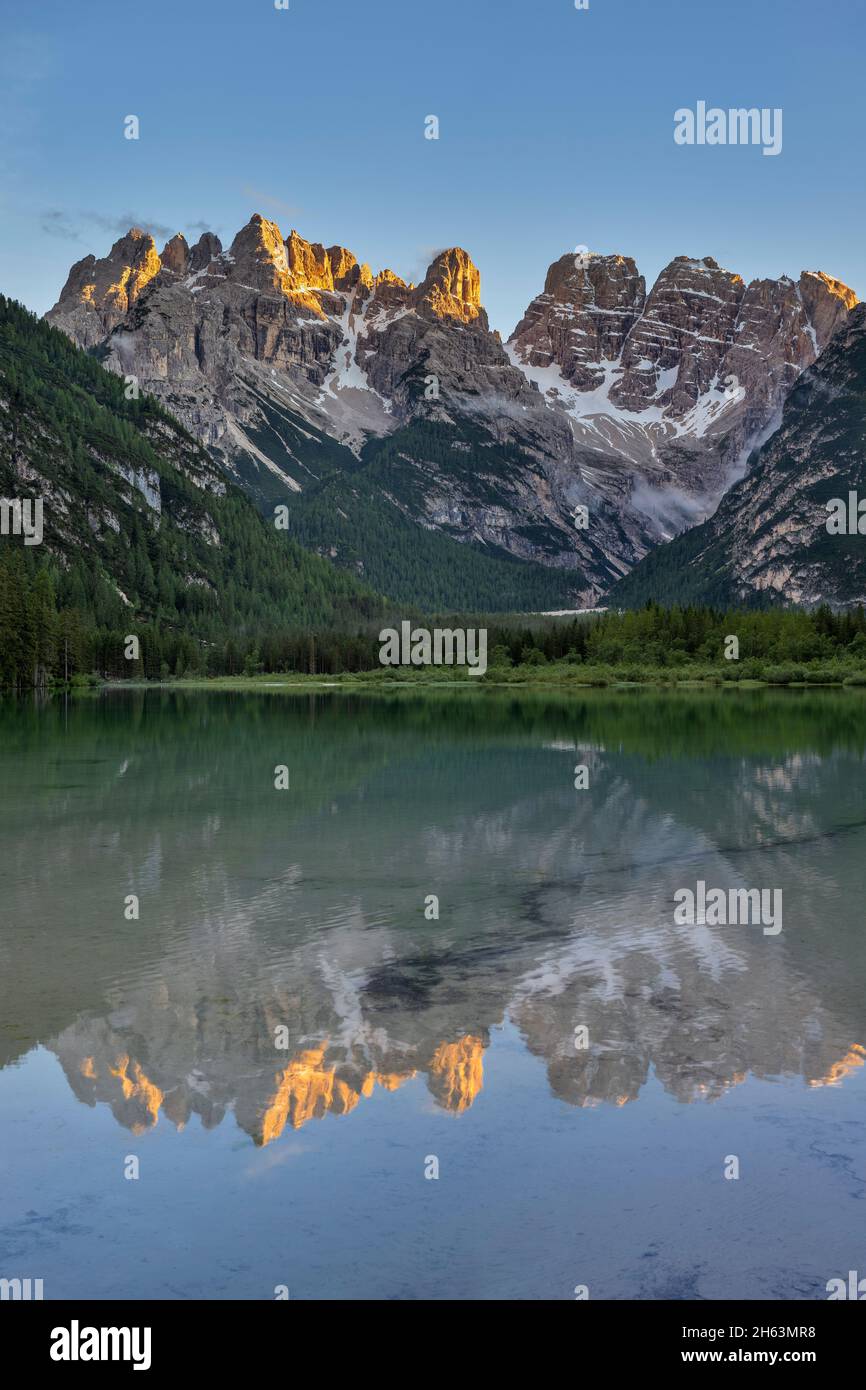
x=293 y=363
x=770 y=540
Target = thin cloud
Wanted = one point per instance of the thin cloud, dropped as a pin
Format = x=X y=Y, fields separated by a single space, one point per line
x=424 y=258
x=268 y=200
x=72 y=227
x=119 y=226
x=56 y=223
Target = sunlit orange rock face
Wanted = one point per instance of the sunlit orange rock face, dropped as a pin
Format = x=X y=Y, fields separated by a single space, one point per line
x=826 y=300
x=105 y=290
x=140 y=1089
x=309 y=263
x=145 y=264
x=346 y=271
x=305 y=273
x=258 y=256
x=456 y=1073
x=452 y=287
x=308 y=1088
x=854 y=1058
x=387 y=277
x=389 y=294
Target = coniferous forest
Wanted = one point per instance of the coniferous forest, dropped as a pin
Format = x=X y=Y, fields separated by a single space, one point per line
x=142 y=533
x=144 y=537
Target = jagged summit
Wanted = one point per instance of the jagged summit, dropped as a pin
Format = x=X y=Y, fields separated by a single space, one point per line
x=670 y=351
x=101 y=292
x=452 y=287
x=263 y=259
x=641 y=404
x=770 y=536
x=175 y=254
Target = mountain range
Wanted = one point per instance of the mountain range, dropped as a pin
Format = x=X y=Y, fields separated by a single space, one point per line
x=438 y=463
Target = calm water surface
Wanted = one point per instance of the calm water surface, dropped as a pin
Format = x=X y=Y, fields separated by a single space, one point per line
x=412 y=1040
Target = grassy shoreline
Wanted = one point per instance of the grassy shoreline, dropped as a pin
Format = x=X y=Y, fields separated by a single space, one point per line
x=560 y=676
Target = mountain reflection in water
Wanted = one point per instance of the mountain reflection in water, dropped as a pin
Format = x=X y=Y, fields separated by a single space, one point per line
x=304 y=909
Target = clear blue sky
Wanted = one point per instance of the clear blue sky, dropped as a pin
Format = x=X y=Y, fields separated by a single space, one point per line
x=556 y=131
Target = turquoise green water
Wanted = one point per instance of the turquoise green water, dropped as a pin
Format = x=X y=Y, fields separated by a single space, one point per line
x=286 y=1040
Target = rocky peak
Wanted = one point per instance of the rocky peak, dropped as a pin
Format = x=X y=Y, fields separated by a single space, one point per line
x=781 y=327
x=309 y=263
x=175 y=254
x=827 y=303
x=769 y=534
x=606 y=392
x=439 y=332
x=206 y=249
x=452 y=288
x=583 y=317
x=258 y=256
x=135 y=248
x=308 y=275
x=347 y=273
x=685 y=329
x=389 y=295
x=699 y=327
x=100 y=292
x=387 y=277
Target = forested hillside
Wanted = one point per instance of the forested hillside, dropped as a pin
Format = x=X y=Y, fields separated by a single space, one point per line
x=366 y=514
x=770 y=541
x=142 y=535
x=353 y=519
